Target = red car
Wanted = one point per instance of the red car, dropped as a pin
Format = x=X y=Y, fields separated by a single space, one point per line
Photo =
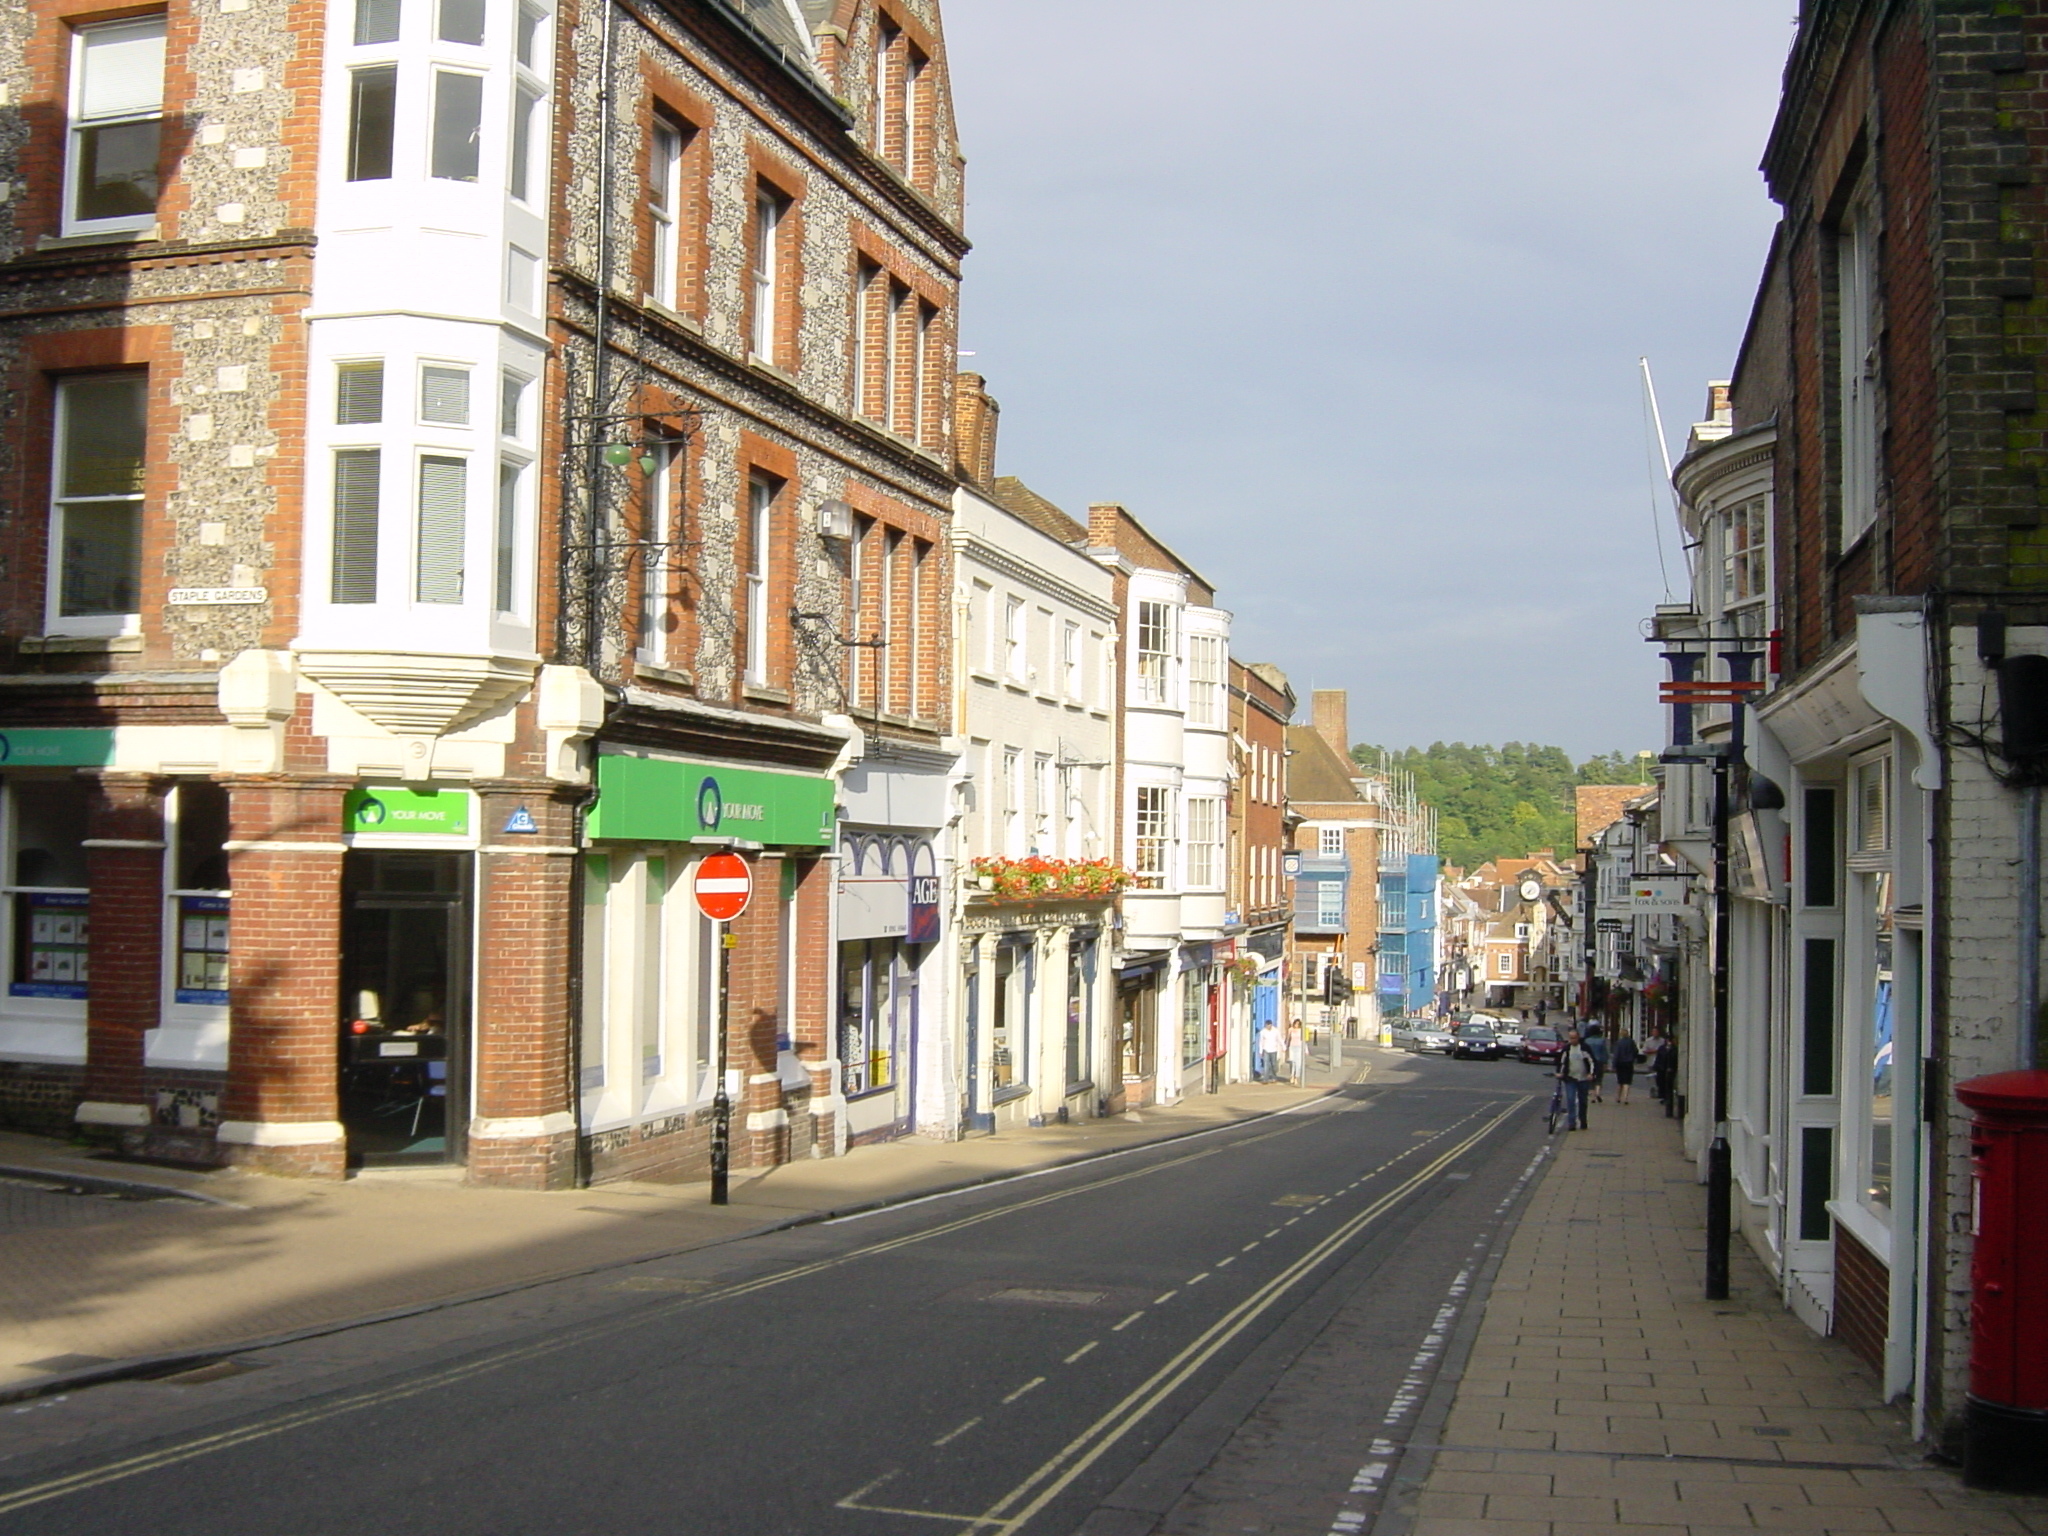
x=1541 y=1043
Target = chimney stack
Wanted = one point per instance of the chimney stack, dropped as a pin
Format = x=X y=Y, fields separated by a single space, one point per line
x=974 y=429
x=1331 y=708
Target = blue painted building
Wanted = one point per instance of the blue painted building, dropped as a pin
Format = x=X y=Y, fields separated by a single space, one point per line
x=1408 y=932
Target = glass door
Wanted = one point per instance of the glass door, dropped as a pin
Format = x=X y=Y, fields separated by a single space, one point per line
x=405 y=1006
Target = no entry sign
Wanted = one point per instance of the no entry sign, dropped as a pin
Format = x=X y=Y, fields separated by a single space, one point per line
x=724 y=887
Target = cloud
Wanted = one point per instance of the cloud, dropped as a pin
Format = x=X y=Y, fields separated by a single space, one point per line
x=1345 y=301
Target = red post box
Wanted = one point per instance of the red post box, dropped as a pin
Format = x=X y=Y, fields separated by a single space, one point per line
x=2007 y=1444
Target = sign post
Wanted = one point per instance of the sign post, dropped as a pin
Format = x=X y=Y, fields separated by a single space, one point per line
x=723 y=888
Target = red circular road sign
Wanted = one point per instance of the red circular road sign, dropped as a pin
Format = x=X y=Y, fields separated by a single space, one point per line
x=724 y=887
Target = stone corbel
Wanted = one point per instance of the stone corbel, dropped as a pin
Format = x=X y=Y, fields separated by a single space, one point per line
x=569 y=708
x=258 y=691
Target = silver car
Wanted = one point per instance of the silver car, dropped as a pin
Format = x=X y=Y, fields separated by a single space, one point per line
x=1427 y=1037
x=1507 y=1031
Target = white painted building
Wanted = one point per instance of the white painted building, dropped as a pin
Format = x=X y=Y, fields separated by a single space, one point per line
x=1035 y=637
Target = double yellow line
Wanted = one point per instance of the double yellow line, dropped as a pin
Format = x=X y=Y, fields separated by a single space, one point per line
x=208 y=1445
x=1051 y=1479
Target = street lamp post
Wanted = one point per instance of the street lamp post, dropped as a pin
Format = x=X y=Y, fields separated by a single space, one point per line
x=1684 y=692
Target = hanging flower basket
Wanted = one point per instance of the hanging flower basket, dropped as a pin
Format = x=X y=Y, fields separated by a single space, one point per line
x=1036 y=879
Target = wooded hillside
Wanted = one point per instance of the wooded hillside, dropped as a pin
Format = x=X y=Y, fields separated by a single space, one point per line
x=1499 y=802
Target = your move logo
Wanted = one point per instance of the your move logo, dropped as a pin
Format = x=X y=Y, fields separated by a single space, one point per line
x=710 y=804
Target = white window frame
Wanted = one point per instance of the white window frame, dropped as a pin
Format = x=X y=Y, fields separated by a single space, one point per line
x=1330 y=841
x=770 y=208
x=1015 y=625
x=1206 y=681
x=1153 y=656
x=1152 y=836
x=78 y=125
x=761 y=497
x=664 y=205
x=1857 y=364
x=55 y=621
x=1205 y=825
x=1329 y=904
x=1072 y=677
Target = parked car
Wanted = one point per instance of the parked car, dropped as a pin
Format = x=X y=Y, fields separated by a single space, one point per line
x=1541 y=1043
x=1427 y=1037
x=1475 y=1042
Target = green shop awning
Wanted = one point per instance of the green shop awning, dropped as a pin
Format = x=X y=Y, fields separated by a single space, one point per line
x=672 y=800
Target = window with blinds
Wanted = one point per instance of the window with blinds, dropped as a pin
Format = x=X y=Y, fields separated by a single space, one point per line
x=376 y=22
x=358 y=394
x=357 y=473
x=444 y=396
x=1873 y=806
x=444 y=486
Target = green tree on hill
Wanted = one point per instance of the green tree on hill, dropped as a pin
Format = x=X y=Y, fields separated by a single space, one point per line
x=1500 y=802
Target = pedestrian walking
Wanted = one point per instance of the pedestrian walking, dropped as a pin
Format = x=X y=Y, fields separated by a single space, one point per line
x=1297 y=1053
x=1623 y=1058
x=1269 y=1051
x=1575 y=1069
x=1596 y=1047
x=1667 y=1072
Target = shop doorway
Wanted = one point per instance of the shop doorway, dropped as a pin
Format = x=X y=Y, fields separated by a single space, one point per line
x=405 y=1006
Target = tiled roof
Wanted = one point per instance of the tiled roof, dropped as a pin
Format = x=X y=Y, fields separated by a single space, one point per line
x=1017 y=498
x=1315 y=773
x=774 y=21
x=1600 y=807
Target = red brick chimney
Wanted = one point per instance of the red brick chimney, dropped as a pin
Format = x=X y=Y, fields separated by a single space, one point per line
x=1104 y=519
x=975 y=416
x=1330 y=708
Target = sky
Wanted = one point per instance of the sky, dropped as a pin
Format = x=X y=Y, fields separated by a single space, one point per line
x=1343 y=299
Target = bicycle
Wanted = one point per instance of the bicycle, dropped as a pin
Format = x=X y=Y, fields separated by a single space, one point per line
x=1560 y=1109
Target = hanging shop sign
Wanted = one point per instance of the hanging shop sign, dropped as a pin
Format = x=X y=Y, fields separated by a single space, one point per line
x=388 y=811
x=1659 y=893
x=673 y=800
x=56 y=748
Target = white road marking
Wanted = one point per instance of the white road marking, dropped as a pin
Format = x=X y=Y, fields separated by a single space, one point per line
x=1199 y=1278
x=1077 y=1354
x=953 y=1434
x=1156 y=1300
x=1120 y=1327
x=1036 y=1381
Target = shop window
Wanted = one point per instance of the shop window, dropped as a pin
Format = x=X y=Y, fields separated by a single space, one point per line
x=597 y=879
x=1009 y=1032
x=877 y=996
x=198 y=894
x=48 y=890
x=1818 y=845
x=1081 y=959
x=651 y=977
x=1816 y=1182
x=1817 y=1055
x=1194 y=1018
x=96 y=519
x=117 y=108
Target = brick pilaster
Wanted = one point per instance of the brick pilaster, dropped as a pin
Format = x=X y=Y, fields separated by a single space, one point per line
x=124 y=861
x=280 y=1113
x=522 y=1131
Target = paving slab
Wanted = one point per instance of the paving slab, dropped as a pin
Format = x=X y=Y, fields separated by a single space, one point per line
x=1604 y=1397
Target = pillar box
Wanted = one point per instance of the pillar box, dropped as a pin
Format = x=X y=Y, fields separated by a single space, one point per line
x=2007 y=1444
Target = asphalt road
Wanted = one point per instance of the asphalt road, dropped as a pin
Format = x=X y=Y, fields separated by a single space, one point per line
x=1218 y=1334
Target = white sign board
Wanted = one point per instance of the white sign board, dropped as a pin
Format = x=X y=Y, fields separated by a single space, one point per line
x=1660 y=893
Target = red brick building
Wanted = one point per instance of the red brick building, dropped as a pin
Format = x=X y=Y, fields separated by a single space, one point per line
x=469 y=461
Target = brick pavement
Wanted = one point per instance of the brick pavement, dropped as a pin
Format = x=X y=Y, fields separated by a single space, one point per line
x=1602 y=1395
x=85 y=1278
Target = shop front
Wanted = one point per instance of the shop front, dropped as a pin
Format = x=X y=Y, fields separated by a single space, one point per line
x=897 y=1066
x=1138 y=987
x=1201 y=1018
x=406 y=973
x=1035 y=1011
x=647 y=1047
